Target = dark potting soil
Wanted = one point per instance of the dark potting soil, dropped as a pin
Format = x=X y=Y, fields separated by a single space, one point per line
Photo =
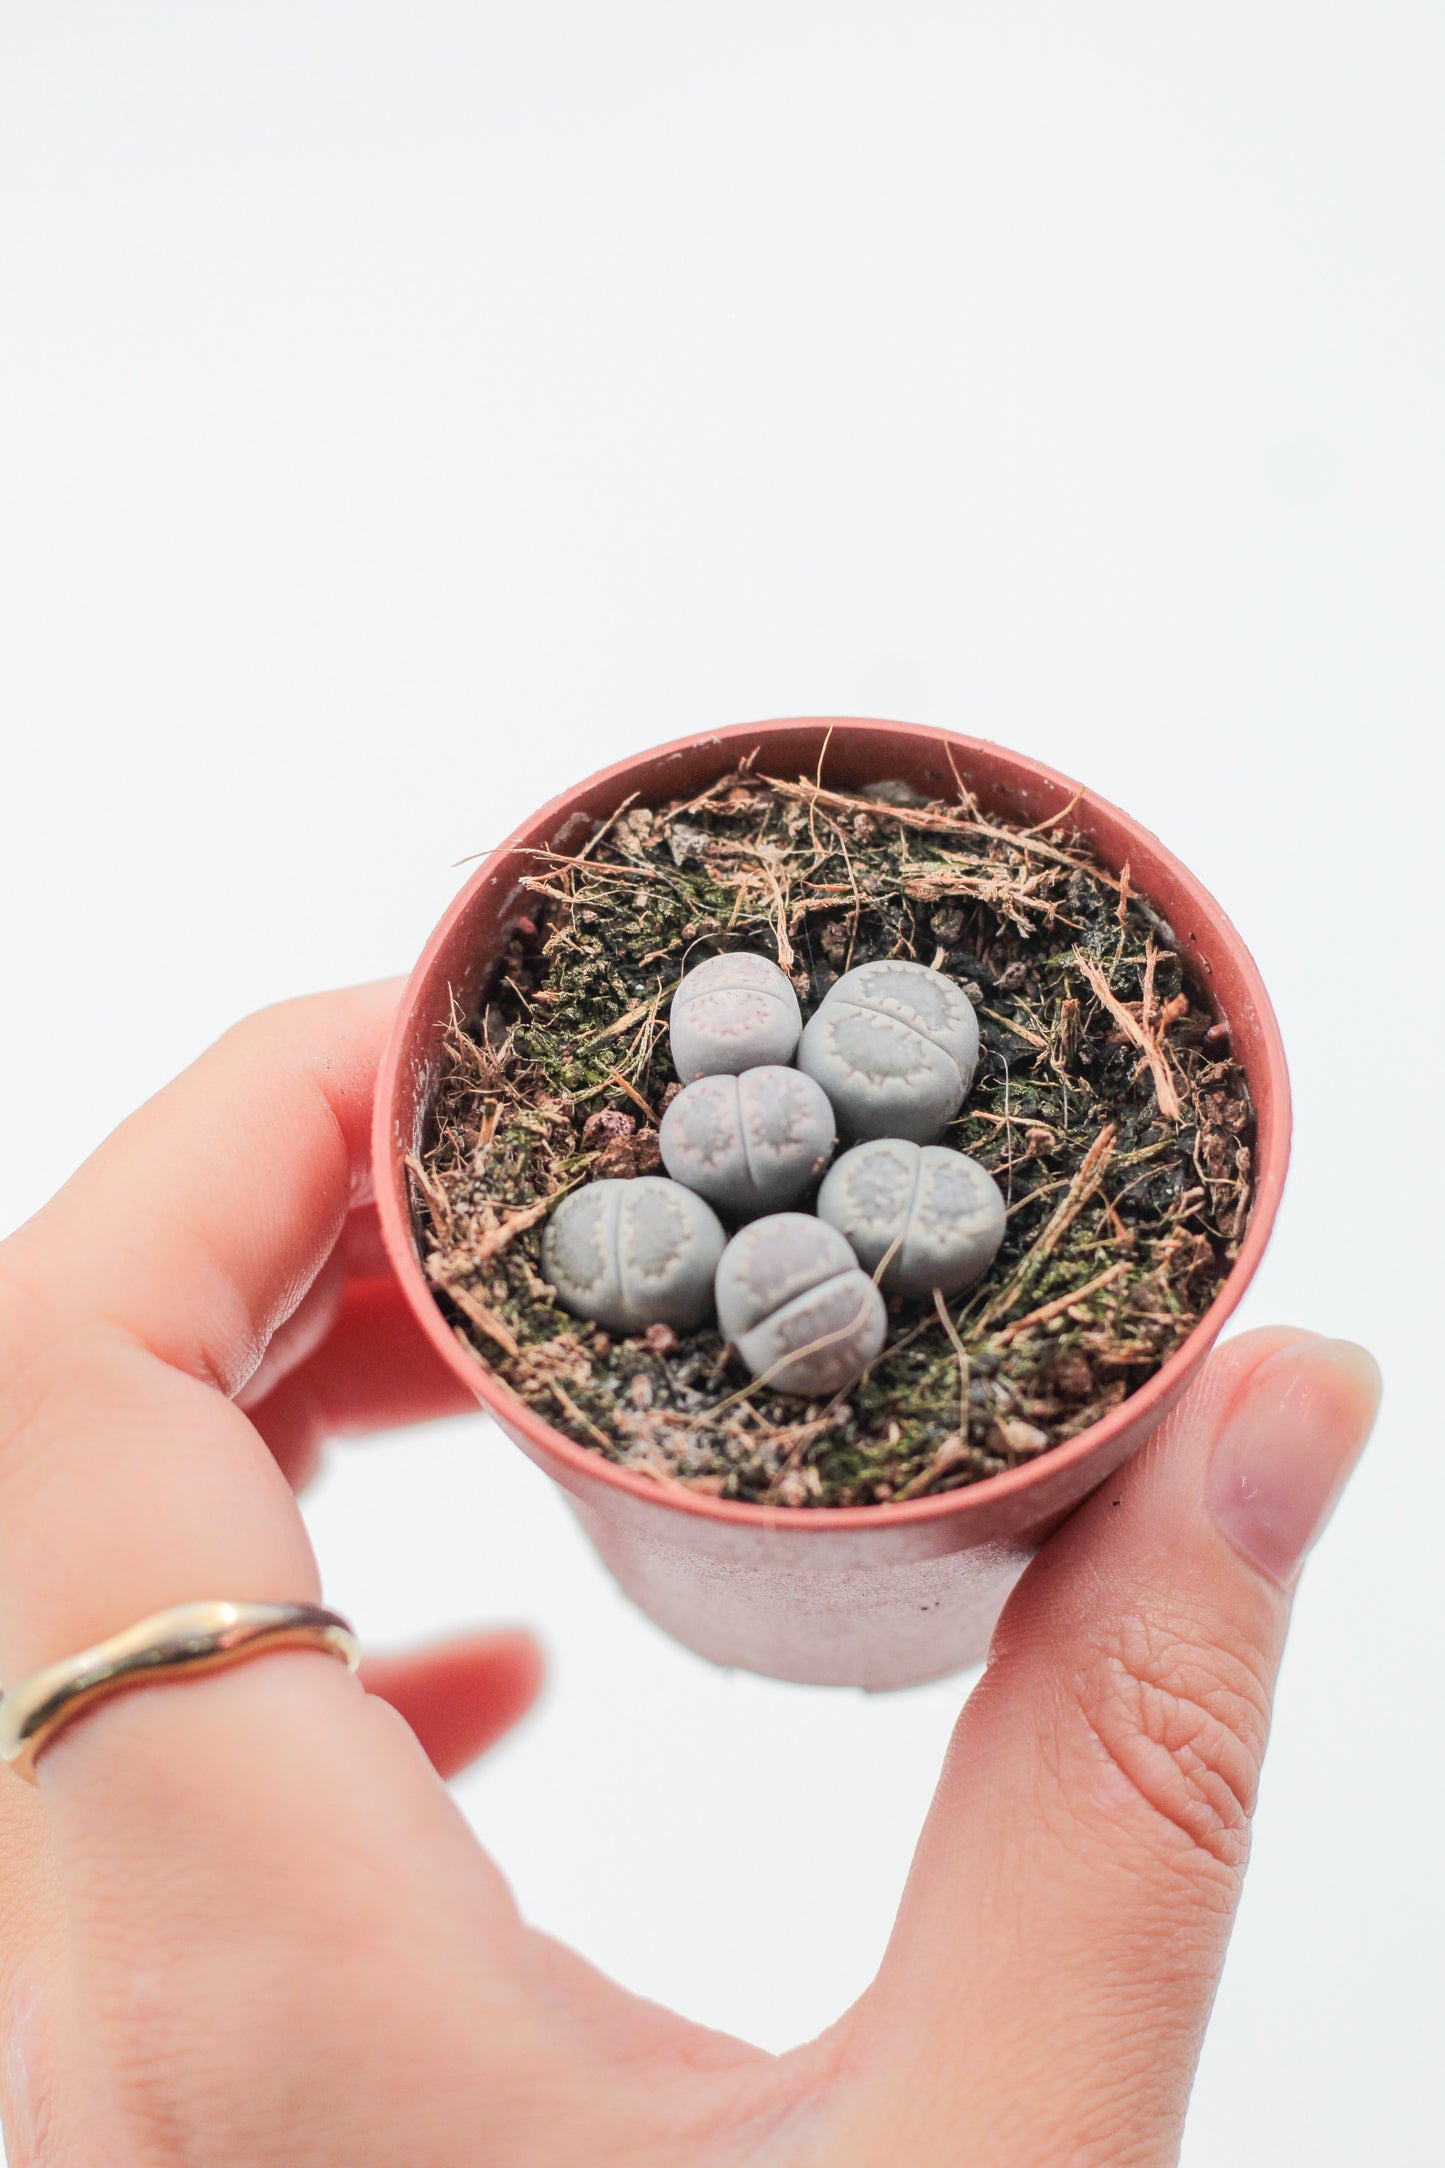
x=1106 y=1105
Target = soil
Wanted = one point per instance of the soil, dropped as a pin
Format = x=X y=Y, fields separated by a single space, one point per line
x=1106 y=1105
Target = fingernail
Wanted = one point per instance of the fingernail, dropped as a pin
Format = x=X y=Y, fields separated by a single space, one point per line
x=1287 y=1447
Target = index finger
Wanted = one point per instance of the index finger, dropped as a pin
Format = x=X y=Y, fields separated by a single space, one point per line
x=200 y=1223
x=232 y=1851
x=142 y=1296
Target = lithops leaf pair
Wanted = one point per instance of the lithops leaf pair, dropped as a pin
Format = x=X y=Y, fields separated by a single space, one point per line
x=733 y=1013
x=629 y=1254
x=894 y=1046
x=937 y=1216
x=750 y=1143
x=791 y=1298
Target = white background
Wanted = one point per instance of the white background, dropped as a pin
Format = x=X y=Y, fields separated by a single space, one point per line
x=407 y=409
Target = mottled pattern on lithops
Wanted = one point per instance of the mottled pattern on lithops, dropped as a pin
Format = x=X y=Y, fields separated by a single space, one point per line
x=749 y=1143
x=939 y=1213
x=795 y=1305
x=633 y=1254
x=894 y=1046
x=733 y=1013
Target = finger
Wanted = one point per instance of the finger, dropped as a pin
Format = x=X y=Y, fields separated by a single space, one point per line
x=359 y=1256
x=159 y=1273
x=1064 y=1926
x=375 y=1370
x=462 y=1696
x=243 y=1853
x=200 y=1224
x=299 y=1336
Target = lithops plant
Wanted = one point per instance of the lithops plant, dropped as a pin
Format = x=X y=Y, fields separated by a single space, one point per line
x=894 y=1046
x=791 y=1298
x=733 y=1013
x=629 y=1254
x=936 y=1215
x=749 y=1143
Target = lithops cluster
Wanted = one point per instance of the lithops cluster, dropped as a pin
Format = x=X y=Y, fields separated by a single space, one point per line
x=928 y=1216
x=792 y=1299
x=751 y=1143
x=887 y=1058
x=894 y=1046
x=733 y=1013
x=629 y=1254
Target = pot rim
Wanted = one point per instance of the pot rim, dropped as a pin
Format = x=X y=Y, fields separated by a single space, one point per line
x=1153 y=1397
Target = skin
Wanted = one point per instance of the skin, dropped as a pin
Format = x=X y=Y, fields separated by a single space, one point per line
x=206 y=1907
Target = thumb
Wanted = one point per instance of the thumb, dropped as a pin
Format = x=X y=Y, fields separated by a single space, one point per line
x=1065 y=1924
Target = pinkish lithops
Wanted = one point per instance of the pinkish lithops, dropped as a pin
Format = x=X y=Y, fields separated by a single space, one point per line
x=894 y=1045
x=750 y=1143
x=791 y=1298
x=733 y=1013
x=936 y=1215
x=629 y=1254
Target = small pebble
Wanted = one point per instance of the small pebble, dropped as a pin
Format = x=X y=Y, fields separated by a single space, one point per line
x=893 y=790
x=1022 y=1438
x=733 y=1013
x=629 y=1254
x=894 y=1045
x=749 y=1143
x=939 y=1212
x=605 y=1126
x=791 y=1298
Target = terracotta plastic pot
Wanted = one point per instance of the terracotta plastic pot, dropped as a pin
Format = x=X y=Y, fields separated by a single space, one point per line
x=871 y=1596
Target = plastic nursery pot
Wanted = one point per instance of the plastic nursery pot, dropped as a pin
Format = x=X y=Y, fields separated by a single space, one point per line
x=871 y=1596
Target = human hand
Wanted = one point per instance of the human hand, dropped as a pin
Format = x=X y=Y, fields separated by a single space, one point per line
x=242 y=1921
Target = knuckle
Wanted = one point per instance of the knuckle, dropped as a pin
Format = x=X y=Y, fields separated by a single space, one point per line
x=256 y=1026
x=233 y=2039
x=1183 y=1720
x=260 y=1030
x=202 y=2045
x=249 y=1046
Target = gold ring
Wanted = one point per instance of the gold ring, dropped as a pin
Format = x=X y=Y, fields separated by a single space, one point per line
x=169 y=1645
